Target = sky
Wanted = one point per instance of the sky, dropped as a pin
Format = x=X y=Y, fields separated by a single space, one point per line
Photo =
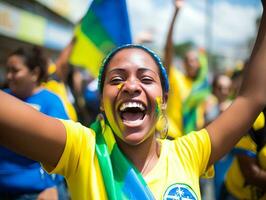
x=232 y=24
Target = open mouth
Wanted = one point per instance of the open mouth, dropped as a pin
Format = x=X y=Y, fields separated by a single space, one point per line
x=131 y=112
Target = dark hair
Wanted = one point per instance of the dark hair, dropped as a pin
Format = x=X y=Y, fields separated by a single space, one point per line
x=34 y=58
x=163 y=73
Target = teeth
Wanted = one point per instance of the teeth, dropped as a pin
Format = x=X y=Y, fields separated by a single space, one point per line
x=131 y=105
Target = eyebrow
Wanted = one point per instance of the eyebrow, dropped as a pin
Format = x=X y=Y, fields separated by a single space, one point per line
x=142 y=69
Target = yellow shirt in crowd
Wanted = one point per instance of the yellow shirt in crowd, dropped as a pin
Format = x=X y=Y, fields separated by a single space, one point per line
x=181 y=87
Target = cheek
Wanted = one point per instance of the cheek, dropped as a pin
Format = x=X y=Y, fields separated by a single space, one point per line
x=108 y=108
x=22 y=76
x=108 y=98
x=17 y=77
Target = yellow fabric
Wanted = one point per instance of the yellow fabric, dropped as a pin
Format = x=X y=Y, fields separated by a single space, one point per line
x=182 y=161
x=79 y=164
x=235 y=181
x=180 y=88
x=262 y=157
x=51 y=68
x=200 y=115
x=60 y=89
x=86 y=54
x=260 y=122
x=247 y=143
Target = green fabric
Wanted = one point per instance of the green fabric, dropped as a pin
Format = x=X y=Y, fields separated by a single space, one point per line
x=200 y=90
x=122 y=180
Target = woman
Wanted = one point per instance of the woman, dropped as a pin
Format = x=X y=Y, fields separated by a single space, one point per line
x=20 y=177
x=121 y=157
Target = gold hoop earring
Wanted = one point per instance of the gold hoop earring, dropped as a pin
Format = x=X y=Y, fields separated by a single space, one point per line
x=162 y=125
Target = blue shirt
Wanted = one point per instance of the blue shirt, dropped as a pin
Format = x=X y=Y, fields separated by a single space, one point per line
x=19 y=174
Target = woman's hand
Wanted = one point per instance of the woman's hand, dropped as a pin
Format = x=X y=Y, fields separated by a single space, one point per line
x=179 y=3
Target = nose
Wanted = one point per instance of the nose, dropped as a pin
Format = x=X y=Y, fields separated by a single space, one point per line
x=132 y=87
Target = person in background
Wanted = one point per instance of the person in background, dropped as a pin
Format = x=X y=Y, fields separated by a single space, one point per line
x=216 y=103
x=189 y=89
x=219 y=100
x=20 y=177
x=85 y=91
x=58 y=77
x=75 y=86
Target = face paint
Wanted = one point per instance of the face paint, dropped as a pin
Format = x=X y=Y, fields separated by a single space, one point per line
x=120 y=86
x=111 y=120
x=158 y=108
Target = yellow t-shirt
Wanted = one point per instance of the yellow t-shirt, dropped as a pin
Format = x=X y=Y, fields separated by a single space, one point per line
x=181 y=163
x=180 y=88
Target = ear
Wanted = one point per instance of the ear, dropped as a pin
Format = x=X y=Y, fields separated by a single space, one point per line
x=35 y=73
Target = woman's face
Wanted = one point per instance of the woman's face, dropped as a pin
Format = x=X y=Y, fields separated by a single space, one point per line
x=131 y=90
x=20 y=79
x=192 y=64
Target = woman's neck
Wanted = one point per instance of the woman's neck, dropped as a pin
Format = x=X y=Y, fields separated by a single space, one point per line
x=144 y=156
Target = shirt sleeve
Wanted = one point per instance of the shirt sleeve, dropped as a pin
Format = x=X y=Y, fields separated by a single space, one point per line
x=197 y=147
x=80 y=143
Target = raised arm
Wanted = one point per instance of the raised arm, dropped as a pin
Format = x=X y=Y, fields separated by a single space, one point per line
x=29 y=132
x=168 y=49
x=62 y=61
x=233 y=123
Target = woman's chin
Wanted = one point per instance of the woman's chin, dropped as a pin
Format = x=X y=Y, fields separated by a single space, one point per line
x=133 y=138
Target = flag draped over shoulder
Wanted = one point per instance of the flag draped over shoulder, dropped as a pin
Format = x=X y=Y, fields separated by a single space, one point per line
x=121 y=179
x=104 y=26
x=199 y=92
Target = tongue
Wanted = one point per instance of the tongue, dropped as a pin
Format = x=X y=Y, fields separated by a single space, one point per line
x=132 y=116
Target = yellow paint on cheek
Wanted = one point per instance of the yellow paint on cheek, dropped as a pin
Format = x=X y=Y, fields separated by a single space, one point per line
x=110 y=117
x=120 y=86
x=158 y=108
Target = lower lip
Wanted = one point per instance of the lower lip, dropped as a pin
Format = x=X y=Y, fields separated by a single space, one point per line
x=135 y=123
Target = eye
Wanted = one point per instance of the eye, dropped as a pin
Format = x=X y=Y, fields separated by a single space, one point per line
x=116 y=80
x=146 y=80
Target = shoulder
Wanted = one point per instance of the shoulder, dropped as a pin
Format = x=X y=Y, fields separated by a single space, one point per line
x=76 y=127
x=195 y=137
x=48 y=93
x=190 y=142
x=50 y=97
x=196 y=145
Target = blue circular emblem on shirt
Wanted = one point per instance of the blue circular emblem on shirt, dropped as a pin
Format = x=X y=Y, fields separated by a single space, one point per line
x=179 y=191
